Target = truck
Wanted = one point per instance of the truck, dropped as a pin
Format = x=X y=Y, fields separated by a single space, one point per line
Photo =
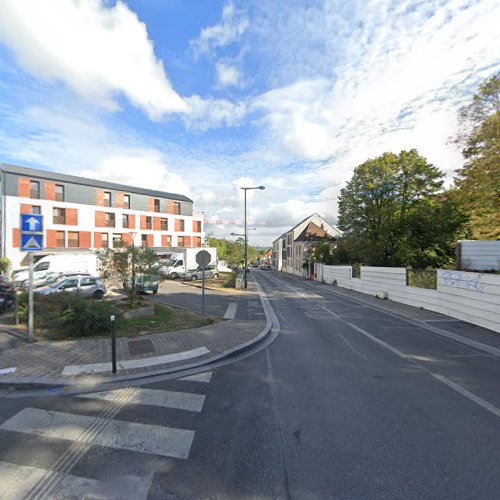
x=75 y=263
x=180 y=260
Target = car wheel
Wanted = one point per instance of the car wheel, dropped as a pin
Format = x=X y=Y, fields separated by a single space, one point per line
x=155 y=291
x=215 y=275
x=98 y=294
x=194 y=277
x=174 y=276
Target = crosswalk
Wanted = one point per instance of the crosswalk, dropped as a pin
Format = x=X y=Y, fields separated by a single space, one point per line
x=112 y=427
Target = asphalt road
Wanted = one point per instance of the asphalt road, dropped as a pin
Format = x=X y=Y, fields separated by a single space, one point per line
x=348 y=402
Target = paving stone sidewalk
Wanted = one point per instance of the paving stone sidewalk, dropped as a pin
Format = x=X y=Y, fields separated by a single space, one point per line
x=54 y=363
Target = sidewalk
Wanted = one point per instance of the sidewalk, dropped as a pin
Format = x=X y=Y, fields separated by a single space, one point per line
x=88 y=361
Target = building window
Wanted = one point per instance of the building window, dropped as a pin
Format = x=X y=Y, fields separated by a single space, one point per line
x=177 y=208
x=149 y=223
x=73 y=239
x=117 y=240
x=180 y=241
x=109 y=219
x=60 y=239
x=144 y=240
x=34 y=189
x=104 y=240
x=126 y=221
x=164 y=224
x=107 y=198
x=59 y=192
x=36 y=210
x=181 y=224
x=156 y=205
x=197 y=226
x=59 y=216
x=126 y=201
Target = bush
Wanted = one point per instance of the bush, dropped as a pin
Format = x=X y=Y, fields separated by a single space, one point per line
x=69 y=315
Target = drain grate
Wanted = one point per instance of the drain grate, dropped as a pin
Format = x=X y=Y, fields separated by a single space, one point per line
x=144 y=346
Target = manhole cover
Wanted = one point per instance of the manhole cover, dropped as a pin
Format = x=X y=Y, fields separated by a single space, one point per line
x=140 y=347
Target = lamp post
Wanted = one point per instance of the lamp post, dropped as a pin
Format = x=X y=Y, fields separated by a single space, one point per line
x=245 y=189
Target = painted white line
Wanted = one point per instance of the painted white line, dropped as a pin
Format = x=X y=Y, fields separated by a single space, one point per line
x=135 y=363
x=469 y=395
x=230 y=311
x=6 y=371
x=153 y=397
x=199 y=377
x=16 y=481
x=143 y=438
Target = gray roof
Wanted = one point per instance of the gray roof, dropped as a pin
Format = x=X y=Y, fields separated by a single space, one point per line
x=45 y=174
x=303 y=220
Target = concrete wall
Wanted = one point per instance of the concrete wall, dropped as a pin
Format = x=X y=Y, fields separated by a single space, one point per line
x=479 y=255
x=472 y=297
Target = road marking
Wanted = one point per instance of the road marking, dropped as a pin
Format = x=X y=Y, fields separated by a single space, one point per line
x=6 y=371
x=199 y=377
x=230 y=311
x=153 y=397
x=469 y=395
x=16 y=481
x=118 y=434
x=134 y=363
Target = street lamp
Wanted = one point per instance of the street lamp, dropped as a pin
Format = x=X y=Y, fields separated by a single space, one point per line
x=245 y=189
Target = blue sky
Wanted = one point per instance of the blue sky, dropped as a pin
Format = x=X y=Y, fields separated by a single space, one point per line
x=201 y=97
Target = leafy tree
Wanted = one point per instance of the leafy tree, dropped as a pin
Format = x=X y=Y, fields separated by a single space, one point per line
x=382 y=205
x=233 y=252
x=123 y=265
x=478 y=180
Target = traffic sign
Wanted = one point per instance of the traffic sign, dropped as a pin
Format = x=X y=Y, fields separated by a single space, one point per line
x=31 y=223
x=31 y=242
x=203 y=258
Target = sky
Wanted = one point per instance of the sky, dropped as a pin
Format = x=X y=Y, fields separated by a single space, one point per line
x=202 y=97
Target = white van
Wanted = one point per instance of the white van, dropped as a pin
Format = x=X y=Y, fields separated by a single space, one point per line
x=77 y=263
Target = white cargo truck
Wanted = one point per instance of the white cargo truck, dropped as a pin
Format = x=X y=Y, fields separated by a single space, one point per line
x=74 y=263
x=181 y=260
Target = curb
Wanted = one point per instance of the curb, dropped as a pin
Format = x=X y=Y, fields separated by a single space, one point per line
x=59 y=384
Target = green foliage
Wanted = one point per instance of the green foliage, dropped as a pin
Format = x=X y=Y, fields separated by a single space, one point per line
x=391 y=214
x=422 y=278
x=233 y=252
x=478 y=181
x=4 y=264
x=69 y=315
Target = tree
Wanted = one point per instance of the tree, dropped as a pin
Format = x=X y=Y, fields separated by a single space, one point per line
x=123 y=265
x=380 y=207
x=478 y=181
x=233 y=252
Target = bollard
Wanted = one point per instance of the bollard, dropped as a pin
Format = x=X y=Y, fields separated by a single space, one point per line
x=113 y=343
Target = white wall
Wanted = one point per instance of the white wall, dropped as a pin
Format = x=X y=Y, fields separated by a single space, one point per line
x=472 y=297
x=479 y=255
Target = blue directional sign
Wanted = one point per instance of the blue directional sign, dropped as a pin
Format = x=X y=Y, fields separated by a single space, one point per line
x=31 y=223
x=31 y=242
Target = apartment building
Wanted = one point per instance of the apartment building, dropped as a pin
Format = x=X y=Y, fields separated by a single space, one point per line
x=81 y=213
x=292 y=248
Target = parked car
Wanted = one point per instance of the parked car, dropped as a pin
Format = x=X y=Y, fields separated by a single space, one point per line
x=265 y=267
x=144 y=284
x=196 y=273
x=50 y=278
x=7 y=295
x=88 y=286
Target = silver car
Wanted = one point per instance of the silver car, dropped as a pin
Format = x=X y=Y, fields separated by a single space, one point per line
x=88 y=286
x=194 y=274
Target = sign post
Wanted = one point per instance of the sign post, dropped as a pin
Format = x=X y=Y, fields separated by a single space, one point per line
x=203 y=258
x=31 y=241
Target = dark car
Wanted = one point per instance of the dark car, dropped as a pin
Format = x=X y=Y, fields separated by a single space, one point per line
x=144 y=284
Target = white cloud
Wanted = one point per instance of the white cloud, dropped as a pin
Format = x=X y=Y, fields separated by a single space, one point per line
x=227 y=74
x=232 y=26
x=203 y=114
x=97 y=50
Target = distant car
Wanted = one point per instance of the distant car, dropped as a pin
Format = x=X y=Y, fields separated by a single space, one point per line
x=265 y=267
x=144 y=284
x=88 y=286
x=195 y=274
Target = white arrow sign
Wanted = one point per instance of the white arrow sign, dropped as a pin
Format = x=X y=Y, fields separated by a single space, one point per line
x=32 y=244
x=33 y=223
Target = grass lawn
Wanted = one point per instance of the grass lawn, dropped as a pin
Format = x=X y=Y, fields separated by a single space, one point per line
x=224 y=280
x=165 y=319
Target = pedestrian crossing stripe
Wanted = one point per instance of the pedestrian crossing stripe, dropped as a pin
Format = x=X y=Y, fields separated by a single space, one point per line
x=118 y=434
x=199 y=377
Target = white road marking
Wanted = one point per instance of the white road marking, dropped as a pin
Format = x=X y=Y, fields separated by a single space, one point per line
x=153 y=397
x=119 y=434
x=135 y=363
x=230 y=311
x=199 y=377
x=469 y=395
x=6 y=371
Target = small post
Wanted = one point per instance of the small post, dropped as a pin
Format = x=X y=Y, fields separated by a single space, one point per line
x=31 y=318
x=16 y=308
x=113 y=343
x=203 y=290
